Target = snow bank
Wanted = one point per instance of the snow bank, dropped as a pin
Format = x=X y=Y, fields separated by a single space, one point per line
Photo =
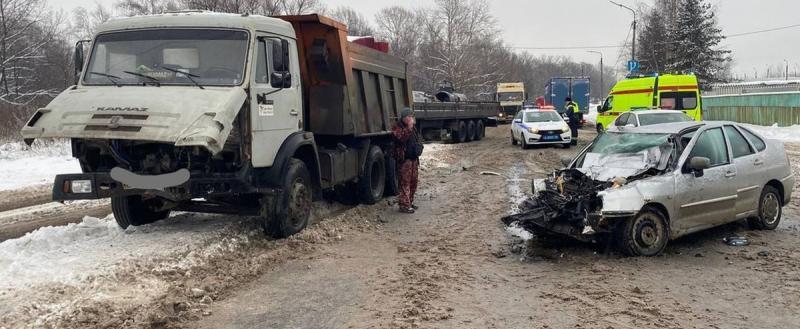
x=592 y=116
x=22 y=166
x=75 y=252
x=786 y=134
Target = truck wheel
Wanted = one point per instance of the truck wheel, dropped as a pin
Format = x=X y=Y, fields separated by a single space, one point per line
x=133 y=211
x=460 y=135
x=769 y=210
x=371 y=184
x=470 y=131
x=392 y=184
x=480 y=130
x=293 y=209
x=644 y=235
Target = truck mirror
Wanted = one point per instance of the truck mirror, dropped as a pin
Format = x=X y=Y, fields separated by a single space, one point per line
x=599 y=108
x=78 y=59
x=281 y=80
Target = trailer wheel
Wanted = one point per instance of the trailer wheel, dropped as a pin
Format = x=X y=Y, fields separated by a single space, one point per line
x=133 y=211
x=480 y=131
x=290 y=212
x=471 y=131
x=372 y=183
x=460 y=135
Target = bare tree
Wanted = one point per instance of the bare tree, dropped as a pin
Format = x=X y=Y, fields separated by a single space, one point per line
x=147 y=7
x=401 y=27
x=85 y=22
x=356 y=23
x=300 y=7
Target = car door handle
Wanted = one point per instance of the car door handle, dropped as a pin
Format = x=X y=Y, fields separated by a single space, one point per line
x=730 y=174
x=293 y=113
x=758 y=162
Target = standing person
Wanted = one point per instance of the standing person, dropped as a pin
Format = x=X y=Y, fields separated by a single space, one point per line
x=572 y=111
x=407 y=150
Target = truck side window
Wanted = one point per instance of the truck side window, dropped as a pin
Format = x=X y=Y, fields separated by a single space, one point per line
x=683 y=100
x=608 y=103
x=262 y=73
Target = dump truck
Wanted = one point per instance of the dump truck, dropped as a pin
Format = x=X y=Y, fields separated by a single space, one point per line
x=511 y=96
x=227 y=113
x=450 y=116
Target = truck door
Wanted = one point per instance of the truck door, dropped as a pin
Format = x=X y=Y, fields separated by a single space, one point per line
x=276 y=106
x=581 y=93
x=559 y=90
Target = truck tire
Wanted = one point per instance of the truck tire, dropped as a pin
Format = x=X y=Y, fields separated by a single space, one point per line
x=289 y=212
x=133 y=211
x=646 y=234
x=372 y=183
x=769 y=210
x=481 y=130
x=392 y=184
x=460 y=135
x=471 y=131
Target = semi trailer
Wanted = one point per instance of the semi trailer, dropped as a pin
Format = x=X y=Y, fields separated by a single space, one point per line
x=227 y=113
x=449 y=116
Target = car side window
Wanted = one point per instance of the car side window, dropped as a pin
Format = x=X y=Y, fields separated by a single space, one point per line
x=757 y=141
x=518 y=116
x=622 y=120
x=739 y=144
x=711 y=144
x=632 y=120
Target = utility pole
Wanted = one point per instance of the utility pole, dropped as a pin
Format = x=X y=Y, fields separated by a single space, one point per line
x=602 y=82
x=633 y=43
x=787 y=69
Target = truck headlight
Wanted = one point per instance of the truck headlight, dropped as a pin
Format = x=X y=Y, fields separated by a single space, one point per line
x=81 y=186
x=533 y=130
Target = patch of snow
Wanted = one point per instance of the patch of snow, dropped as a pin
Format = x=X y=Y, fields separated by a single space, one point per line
x=592 y=116
x=516 y=196
x=22 y=166
x=73 y=253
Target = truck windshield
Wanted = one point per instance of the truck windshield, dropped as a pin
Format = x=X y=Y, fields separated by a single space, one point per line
x=168 y=56
x=509 y=97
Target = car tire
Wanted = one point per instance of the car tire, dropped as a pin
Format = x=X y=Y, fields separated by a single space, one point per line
x=372 y=182
x=289 y=213
x=600 y=128
x=513 y=139
x=133 y=211
x=480 y=130
x=567 y=145
x=646 y=234
x=769 y=210
x=524 y=143
x=470 y=131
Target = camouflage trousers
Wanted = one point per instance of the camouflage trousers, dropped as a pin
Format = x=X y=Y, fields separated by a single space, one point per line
x=408 y=175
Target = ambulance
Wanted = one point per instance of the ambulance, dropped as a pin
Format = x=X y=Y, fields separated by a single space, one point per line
x=672 y=92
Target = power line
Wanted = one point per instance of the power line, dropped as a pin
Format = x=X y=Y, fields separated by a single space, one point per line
x=764 y=31
x=565 y=48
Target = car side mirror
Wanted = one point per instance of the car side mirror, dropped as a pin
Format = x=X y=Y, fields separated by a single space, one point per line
x=565 y=161
x=517 y=120
x=698 y=165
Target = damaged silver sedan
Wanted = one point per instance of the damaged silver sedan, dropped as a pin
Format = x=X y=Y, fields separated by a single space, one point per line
x=641 y=187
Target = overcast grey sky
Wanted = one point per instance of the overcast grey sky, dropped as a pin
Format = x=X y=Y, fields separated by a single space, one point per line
x=567 y=23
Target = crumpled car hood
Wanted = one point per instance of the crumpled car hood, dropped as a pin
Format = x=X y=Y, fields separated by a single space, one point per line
x=186 y=116
x=606 y=167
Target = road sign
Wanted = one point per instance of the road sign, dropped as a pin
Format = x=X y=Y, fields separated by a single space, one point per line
x=633 y=65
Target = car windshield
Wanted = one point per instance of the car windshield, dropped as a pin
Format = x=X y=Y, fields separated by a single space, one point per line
x=656 y=118
x=615 y=154
x=168 y=56
x=543 y=116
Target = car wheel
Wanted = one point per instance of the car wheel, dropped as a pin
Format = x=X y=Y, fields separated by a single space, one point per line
x=769 y=210
x=513 y=139
x=567 y=145
x=290 y=212
x=133 y=211
x=644 y=235
x=524 y=142
x=600 y=128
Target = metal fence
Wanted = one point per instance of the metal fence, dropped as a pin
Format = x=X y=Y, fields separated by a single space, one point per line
x=764 y=108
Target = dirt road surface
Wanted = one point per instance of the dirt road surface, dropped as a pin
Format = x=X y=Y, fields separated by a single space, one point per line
x=451 y=265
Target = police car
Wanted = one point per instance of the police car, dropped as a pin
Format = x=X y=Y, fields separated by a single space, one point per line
x=533 y=126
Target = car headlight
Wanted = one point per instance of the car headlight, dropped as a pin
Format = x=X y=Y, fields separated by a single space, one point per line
x=81 y=186
x=565 y=129
x=500 y=115
x=533 y=130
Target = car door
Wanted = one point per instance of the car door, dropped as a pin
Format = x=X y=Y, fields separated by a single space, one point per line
x=516 y=125
x=706 y=199
x=748 y=176
x=276 y=107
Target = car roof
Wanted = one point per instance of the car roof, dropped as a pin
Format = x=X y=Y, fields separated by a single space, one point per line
x=663 y=128
x=640 y=112
x=538 y=110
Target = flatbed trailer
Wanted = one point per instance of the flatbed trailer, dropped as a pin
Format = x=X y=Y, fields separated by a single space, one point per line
x=458 y=122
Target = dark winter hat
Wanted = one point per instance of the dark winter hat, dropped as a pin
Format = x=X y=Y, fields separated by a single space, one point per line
x=405 y=112
x=569 y=99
